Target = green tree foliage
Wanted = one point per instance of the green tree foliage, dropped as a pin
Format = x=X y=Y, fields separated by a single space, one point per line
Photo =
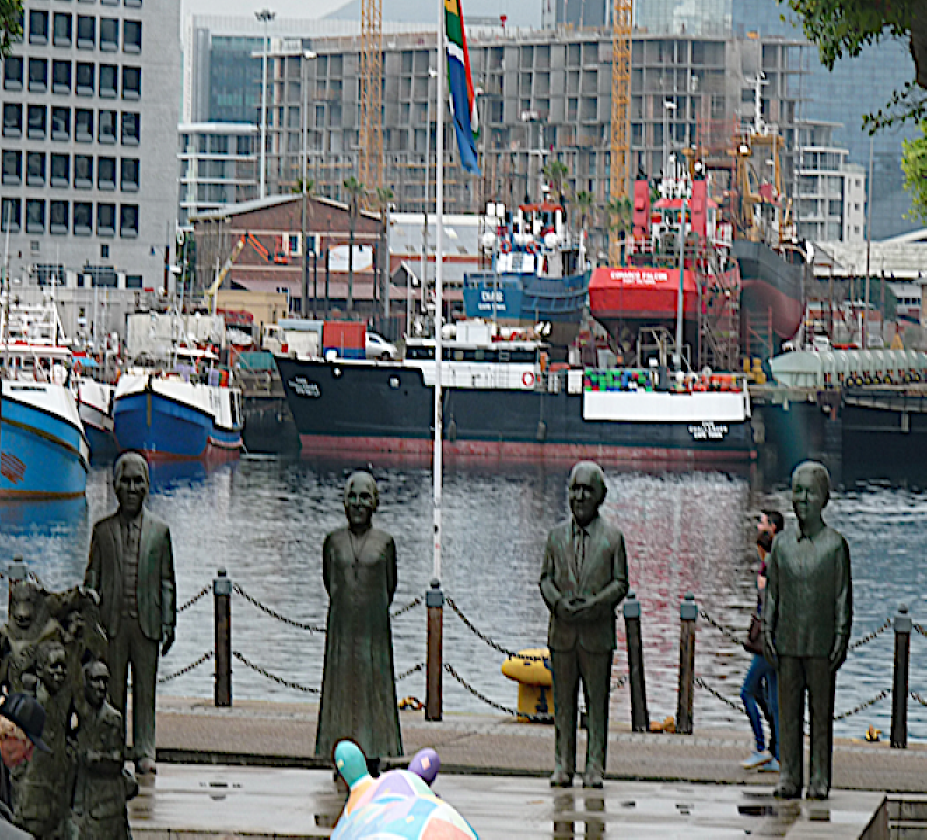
x=844 y=27
x=11 y=24
x=914 y=165
x=556 y=172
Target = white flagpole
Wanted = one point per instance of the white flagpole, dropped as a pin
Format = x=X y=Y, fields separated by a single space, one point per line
x=439 y=265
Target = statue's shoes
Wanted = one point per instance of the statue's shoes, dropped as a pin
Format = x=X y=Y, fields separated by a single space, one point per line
x=561 y=779
x=145 y=767
x=786 y=791
x=592 y=779
x=817 y=792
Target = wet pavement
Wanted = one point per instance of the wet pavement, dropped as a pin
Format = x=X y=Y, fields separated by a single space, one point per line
x=193 y=802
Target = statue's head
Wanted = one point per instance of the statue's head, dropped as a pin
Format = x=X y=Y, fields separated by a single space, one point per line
x=24 y=608
x=96 y=682
x=586 y=491
x=361 y=499
x=810 y=491
x=131 y=482
x=53 y=665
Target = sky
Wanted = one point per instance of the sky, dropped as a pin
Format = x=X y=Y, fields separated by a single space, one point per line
x=519 y=12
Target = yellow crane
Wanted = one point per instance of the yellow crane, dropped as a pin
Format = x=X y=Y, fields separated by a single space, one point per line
x=620 y=147
x=371 y=84
x=213 y=290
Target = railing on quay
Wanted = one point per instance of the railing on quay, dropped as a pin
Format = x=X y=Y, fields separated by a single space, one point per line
x=224 y=589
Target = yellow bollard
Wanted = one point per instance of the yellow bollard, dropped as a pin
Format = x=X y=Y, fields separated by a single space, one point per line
x=531 y=670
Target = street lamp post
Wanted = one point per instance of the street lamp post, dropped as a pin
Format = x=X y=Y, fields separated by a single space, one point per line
x=668 y=105
x=304 y=59
x=265 y=16
x=432 y=73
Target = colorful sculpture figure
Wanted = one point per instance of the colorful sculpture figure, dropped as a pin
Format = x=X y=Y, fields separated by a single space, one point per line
x=398 y=804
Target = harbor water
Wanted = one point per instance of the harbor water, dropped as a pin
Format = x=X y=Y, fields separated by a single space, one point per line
x=263 y=520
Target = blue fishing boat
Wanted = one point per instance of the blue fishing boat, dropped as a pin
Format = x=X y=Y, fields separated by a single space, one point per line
x=170 y=415
x=43 y=450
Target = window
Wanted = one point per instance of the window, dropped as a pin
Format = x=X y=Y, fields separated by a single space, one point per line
x=108 y=80
x=36 y=117
x=85 y=79
x=131 y=82
x=83 y=218
x=83 y=172
x=10 y=215
x=109 y=34
x=38 y=27
x=83 y=125
x=60 y=123
x=106 y=220
x=132 y=4
x=35 y=215
x=60 y=171
x=131 y=36
x=106 y=126
x=104 y=251
x=61 y=77
x=131 y=128
x=35 y=169
x=12 y=167
x=129 y=174
x=106 y=173
x=128 y=221
x=12 y=120
x=58 y=217
x=133 y=281
x=61 y=34
x=86 y=32
x=38 y=75
x=13 y=73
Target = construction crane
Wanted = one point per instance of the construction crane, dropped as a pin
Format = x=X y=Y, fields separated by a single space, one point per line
x=371 y=84
x=621 y=96
x=213 y=290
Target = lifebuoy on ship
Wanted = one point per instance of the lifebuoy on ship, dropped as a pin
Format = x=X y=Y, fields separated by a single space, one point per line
x=528 y=379
x=532 y=247
x=506 y=246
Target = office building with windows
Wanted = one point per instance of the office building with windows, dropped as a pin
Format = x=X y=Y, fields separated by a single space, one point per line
x=90 y=108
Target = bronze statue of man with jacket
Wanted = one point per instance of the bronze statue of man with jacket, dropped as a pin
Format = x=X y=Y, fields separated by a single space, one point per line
x=583 y=579
x=806 y=630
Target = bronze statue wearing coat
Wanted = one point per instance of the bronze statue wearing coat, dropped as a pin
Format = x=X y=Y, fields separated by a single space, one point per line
x=359 y=571
x=583 y=579
x=806 y=630
x=131 y=566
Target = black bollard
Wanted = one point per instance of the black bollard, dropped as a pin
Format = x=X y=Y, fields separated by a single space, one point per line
x=640 y=721
x=434 y=702
x=15 y=573
x=222 y=596
x=900 y=680
x=688 y=613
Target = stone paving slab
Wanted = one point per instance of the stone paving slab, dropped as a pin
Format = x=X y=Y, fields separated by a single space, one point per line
x=199 y=802
x=283 y=734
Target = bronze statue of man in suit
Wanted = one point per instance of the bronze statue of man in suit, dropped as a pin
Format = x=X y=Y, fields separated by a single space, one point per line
x=583 y=579
x=806 y=630
x=131 y=566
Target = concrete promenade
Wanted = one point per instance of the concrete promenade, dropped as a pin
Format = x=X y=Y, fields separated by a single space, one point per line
x=249 y=771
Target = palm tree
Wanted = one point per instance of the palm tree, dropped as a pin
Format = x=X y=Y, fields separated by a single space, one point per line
x=384 y=198
x=555 y=172
x=584 y=203
x=355 y=190
x=620 y=218
x=305 y=187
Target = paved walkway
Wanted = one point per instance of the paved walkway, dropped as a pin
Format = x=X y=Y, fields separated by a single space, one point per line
x=249 y=771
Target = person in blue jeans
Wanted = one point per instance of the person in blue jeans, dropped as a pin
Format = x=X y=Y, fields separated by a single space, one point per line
x=760 y=691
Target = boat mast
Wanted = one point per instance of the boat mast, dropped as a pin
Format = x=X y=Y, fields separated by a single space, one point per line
x=677 y=356
x=5 y=282
x=439 y=260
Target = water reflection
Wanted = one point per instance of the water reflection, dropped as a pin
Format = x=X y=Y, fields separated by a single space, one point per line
x=264 y=521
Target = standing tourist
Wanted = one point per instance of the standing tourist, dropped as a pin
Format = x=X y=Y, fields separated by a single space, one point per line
x=358 y=686
x=583 y=579
x=806 y=630
x=760 y=689
x=22 y=722
x=131 y=566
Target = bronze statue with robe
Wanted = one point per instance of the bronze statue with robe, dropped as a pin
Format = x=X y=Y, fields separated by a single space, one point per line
x=358 y=685
x=806 y=630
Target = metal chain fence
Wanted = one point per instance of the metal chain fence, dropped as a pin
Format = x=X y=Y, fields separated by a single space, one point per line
x=413 y=670
x=917 y=697
x=408 y=607
x=201 y=594
x=870 y=636
x=729 y=632
x=920 y=628
x=483 y=637
x=865 y=705
x=279 y=680
x=312 y=628
x=737 y=707
x=513 y=712
x=204 y=658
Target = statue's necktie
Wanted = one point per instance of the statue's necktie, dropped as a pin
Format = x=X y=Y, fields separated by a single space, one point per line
x=579 y=550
